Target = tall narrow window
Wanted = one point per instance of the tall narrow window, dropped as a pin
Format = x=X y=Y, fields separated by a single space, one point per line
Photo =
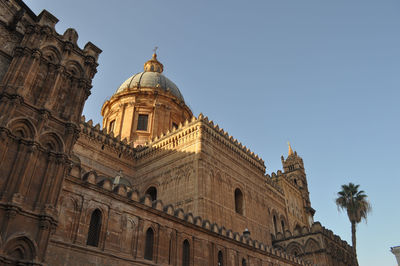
x=94 y=229
x=170 y=251
x=275 y=227
x=111 y=126
x=152 y=192
x=283 y=226
x=238 y=201
x=186 y=253
x=148 y=249
x=220 y=258
x=244 y=263
x=142 y=122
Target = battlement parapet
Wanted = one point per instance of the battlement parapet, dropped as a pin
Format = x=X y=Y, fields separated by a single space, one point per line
x=127 y=193
x=104 y=138
x=191 y=128
x=272 y=180
x=316 y=228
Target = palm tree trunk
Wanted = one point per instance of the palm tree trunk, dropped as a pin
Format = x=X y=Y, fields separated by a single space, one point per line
x=353 y=237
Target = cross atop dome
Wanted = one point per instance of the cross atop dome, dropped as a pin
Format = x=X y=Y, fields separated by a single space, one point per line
x=153 y=65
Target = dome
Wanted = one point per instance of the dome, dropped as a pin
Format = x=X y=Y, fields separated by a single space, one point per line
x=151 y=77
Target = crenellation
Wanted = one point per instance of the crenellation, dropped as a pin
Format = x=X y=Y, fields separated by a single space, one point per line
x=45 y=18
x=134 y=195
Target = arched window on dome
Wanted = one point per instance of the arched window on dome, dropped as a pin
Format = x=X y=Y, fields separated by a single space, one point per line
x=152 y=192
x=94 y=229
x=149 y=244
x=238 y=201
x=186 y=253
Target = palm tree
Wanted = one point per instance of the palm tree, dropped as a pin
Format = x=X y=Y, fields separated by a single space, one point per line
x=355 y=202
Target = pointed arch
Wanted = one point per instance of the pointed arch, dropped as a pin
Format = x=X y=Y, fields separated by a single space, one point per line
x=220 y=258
x=74 y=68
x=20 y=248
x=297 y=230
x=311 y=245
x=171 y=248
x=283 y=223
x=68 y=209
x=185 y=253
x=22 y=127
x=275 y=224
x=152 y=192
x=239 y=201
x=130 y=235
x=52 y=142
x=149 y=244
x=294 y=249
x=52 y=54
x=94 y=228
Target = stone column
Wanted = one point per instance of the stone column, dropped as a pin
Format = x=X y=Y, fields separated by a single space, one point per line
x=396 y=252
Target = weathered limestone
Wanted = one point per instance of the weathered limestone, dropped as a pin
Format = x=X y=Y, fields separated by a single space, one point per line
x=155 y=186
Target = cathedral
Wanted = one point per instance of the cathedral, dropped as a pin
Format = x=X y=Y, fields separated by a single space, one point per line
x=154 y=185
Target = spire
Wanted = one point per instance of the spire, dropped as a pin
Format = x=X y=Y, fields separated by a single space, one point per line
x=290 y=152
x=153 y=65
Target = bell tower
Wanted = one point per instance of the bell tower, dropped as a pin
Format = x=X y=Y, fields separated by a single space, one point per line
x=42 y=95
x=293 y=168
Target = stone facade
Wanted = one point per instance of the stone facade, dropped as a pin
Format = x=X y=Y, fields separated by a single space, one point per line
x=155 y=186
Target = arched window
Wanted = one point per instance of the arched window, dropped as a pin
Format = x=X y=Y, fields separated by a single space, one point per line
x=94 y=229
x=244 y=263
x=186 y=253
x=238 y=201
x=297 y=229
x=20 y=248
x=170 y=251
x=220 y=258
x=275 y=227
x=283 y=226
x=148 y=248
x=152 y=192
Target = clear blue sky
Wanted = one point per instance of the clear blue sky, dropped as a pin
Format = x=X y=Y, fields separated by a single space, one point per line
x=322 y=74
